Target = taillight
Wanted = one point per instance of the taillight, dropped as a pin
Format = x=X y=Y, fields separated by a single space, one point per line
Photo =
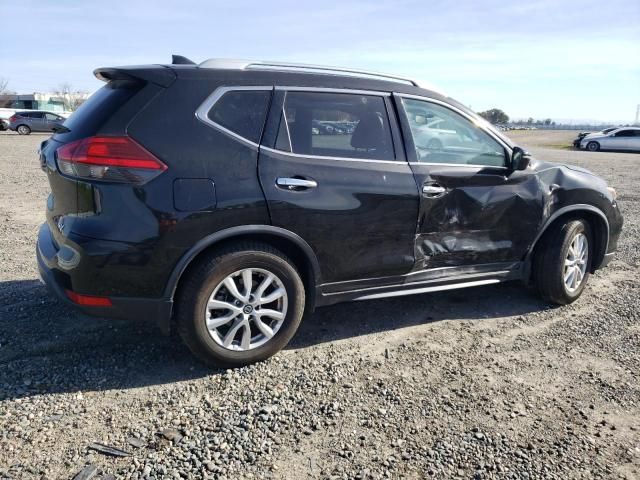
x=109 y=159
x=13 y=118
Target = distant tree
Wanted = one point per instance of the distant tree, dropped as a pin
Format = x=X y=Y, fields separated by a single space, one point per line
x=71 y=97
x=530 y=120
x=4 y=86
x=495 y=116
x=547 y=121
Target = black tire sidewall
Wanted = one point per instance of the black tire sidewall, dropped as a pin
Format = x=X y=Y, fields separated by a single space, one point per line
x=213 y=276
x=597 y=146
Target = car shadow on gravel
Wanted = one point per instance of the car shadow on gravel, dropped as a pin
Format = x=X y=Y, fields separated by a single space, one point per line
x=46 y=347
x=349 y=320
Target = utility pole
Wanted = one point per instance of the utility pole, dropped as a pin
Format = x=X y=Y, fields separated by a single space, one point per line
x=637 y=122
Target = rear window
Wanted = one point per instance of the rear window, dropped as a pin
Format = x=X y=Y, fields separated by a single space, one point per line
x=242 y=112
x=88 y=118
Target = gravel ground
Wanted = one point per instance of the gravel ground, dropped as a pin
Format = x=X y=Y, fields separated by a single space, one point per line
x=479 y=383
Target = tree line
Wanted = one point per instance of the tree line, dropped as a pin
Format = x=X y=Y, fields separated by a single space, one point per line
x=498 y=117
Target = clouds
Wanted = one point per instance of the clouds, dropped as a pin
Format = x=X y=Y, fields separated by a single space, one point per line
x=536 y=58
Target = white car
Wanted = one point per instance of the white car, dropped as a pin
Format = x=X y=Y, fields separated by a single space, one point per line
x=623 y=138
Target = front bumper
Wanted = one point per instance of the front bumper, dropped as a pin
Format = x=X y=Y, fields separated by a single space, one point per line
x=53 y=267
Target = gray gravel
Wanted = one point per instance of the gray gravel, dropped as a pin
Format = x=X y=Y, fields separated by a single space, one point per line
x=479 y=383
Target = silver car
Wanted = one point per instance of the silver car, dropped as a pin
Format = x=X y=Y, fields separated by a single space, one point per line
x=623 y=138
x=34 y=121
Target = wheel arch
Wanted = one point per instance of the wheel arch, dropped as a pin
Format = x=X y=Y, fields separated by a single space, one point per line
x=597 y=221
x=284 y=240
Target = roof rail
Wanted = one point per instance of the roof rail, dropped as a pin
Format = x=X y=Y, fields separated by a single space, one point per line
x=236 y=64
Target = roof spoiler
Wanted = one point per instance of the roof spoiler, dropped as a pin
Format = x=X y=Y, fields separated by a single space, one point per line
x=157 y=74
x=180 y=60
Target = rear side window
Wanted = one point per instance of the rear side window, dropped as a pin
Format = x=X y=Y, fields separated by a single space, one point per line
x=335 y=125
x=242 y=112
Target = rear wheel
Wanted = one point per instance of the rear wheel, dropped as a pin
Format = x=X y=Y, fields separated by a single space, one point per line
x=593 y=146
x=240 y=305
x=23 y=130
x=562 y=262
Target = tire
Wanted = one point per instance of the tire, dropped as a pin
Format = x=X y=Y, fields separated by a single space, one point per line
x=193 y=312
x=23 y=130
x=550 y=262
x=593 y=146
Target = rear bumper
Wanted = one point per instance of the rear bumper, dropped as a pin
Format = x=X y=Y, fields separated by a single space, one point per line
x=58 y=280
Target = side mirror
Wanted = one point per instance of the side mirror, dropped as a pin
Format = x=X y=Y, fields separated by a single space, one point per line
x=519 y=159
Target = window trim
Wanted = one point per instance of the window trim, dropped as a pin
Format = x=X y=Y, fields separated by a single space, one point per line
x=202 y=113
x=507 y=148
x=374 y=93
x=323 y=157
x=348 y=91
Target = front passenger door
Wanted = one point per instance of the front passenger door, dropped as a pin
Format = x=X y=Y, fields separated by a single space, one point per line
x=474 y=210
x=620 y=140
x=51 y=120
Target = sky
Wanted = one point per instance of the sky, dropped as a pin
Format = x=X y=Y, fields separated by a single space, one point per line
x=559 y=59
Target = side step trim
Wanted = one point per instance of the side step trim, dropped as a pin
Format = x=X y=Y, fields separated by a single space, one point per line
x=438 y=288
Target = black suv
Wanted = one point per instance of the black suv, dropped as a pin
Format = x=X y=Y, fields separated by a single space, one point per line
x=230 y=198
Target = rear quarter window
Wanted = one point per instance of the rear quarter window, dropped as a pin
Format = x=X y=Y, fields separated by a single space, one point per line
x=242 y=112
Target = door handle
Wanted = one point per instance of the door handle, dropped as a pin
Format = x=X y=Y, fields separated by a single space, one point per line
x=293 y=183
x=433 y=190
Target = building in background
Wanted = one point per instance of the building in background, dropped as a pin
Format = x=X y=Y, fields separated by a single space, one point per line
x=50 y=102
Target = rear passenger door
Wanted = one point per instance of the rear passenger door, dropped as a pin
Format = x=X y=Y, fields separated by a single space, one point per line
x=333 y=171
x=37 y=122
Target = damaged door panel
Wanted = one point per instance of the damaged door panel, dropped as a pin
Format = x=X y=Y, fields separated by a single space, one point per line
x=474 y=208
x=483 y=215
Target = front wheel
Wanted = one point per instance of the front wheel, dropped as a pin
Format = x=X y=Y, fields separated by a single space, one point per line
x=563 y=261
x=23 y=130
x=240 y=305
x=593 y=146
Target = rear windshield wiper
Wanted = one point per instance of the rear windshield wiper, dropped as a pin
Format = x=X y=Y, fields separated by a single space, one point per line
x=60 y=129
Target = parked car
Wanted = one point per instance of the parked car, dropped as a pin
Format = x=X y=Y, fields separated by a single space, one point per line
x=624 y=138
x=4 y=125
x=242 y=220
x=581 y=135
x=35 y=121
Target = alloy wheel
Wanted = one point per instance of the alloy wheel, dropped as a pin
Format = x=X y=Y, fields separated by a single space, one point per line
x=246 y=309
x=575 y=264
